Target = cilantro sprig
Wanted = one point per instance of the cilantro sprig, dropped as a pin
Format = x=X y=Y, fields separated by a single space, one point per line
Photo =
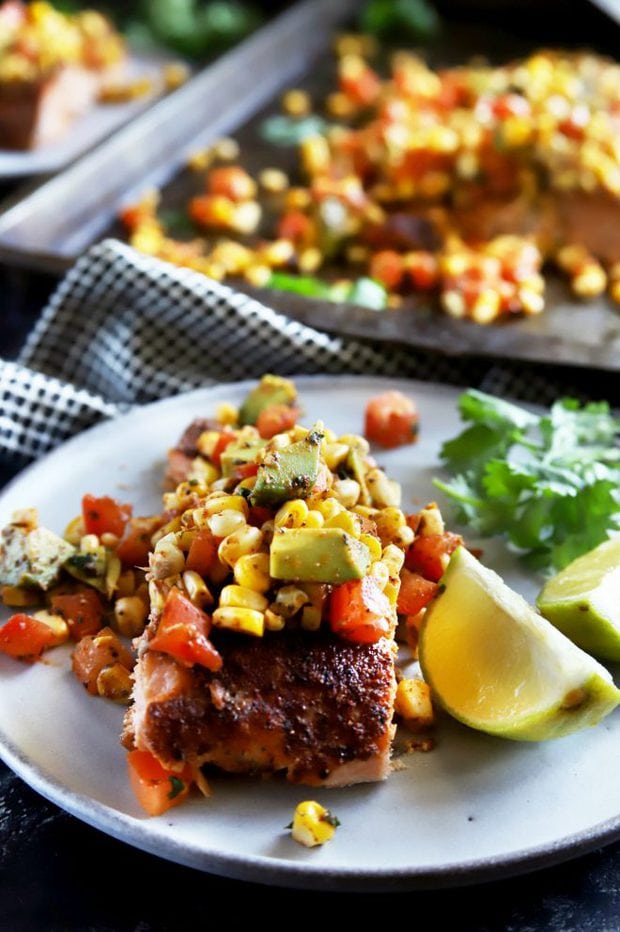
x=550 y=484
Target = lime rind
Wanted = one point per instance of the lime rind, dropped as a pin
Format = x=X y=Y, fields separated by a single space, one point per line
x=583 y=600
x=496 y=665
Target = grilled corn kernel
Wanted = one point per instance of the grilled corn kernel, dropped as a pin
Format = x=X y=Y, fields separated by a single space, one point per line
x=393 y=557
x=243 y=620
x=130 y=614
x=56 y=623
x=388 y=522
x=217 y=503
x=311 y=618
x=252 y=572
x=202 y=471
x=374 y=545
x=19 y=596
x=348 y=521
x=246 y=216
x=355 y=442
x=383 y=491
x=243 y=541
x=226 y=149
x=453 y=303
x=298 y=198
x=197 y=590
x=403 y=537
x=413 y=703
x=296 y=102
x=89 y=543
x=313 y=519
x=74 y=531
x=334 y=454
x=430 y=521
x=590 y=282
x=347 y=491
x=273 y=180
x=329 y=507
x=380 y=572
x=112 y=573
x=292 y=514
x=226 y=413
x=240 y=597
x=226 y=522
x=289 y=600
x=310 y=260
x=114 y=682
x=167 y=559
x=273 y=621
x=109 y=540
x=313 y=824
x=156 y=599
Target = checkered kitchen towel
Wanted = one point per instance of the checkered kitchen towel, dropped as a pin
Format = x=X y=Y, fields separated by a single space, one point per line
x=124 y=329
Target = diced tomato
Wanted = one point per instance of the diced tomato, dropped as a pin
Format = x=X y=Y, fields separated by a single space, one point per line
x=427 y=554
x=83 y=611
x=226 y=437
x=258 y=515
x=202 y=552
x=422 y=269
x=231 y=181
x=415 y=592
x=94 y=653
x=391 y=420
x=26 y=638
x=276 y=419
x=134 y=215
x=360 y=611
x=511 y=105
x=245 y=470
x=388 y=268
x=104 y=515
x=294 y=226
x=134 y=548
x=361 y=85
x=157 y=789
x=212 y=210
x=183 y=633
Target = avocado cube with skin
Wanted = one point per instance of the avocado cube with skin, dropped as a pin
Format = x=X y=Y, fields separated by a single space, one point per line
x=288 y=473
x=318 y=555
x=32 y=558
x=271 y=390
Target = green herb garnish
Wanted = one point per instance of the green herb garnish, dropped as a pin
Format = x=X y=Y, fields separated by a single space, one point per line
x=398 y=19
x=364 y=291
x=176 y=786
x=550 y=483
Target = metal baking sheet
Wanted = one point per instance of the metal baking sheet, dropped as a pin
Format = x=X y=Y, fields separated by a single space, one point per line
x=50 y=227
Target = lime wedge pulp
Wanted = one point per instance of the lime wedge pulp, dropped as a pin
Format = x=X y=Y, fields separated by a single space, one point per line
x=495 y=664
x=583 y=600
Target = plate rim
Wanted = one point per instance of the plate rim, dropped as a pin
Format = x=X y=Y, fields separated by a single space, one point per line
x=261 y=868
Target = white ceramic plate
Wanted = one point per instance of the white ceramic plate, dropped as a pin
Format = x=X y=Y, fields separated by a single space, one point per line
x=474 y=808
x=96 y=124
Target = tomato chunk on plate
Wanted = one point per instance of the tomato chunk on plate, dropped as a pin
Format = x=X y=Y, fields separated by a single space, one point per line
x=360 y=611
x=391 y=420
x=156 y=788
x=183 y=633
x=104 y=515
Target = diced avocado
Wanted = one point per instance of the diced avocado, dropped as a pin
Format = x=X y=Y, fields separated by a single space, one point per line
x=32 y=558
x=240 y=452
x=356 y=468
x=271 y=390
x=89 y=567
x=321 y=555
x=288 y=473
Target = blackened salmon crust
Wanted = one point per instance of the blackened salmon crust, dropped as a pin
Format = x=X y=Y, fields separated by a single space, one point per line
x=296 y=702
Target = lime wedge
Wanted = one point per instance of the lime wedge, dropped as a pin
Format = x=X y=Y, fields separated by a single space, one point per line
x=583 y=600
x=497 y=665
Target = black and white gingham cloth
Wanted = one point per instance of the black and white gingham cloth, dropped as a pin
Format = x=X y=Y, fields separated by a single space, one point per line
x=124 y=329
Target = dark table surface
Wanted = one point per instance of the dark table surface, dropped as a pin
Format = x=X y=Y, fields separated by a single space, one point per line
x=56 y=873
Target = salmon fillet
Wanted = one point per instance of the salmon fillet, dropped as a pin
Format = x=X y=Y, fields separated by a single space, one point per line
x=316 y=709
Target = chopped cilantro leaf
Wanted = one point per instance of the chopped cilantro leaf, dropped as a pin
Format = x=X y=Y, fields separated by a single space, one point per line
x=550 y=484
